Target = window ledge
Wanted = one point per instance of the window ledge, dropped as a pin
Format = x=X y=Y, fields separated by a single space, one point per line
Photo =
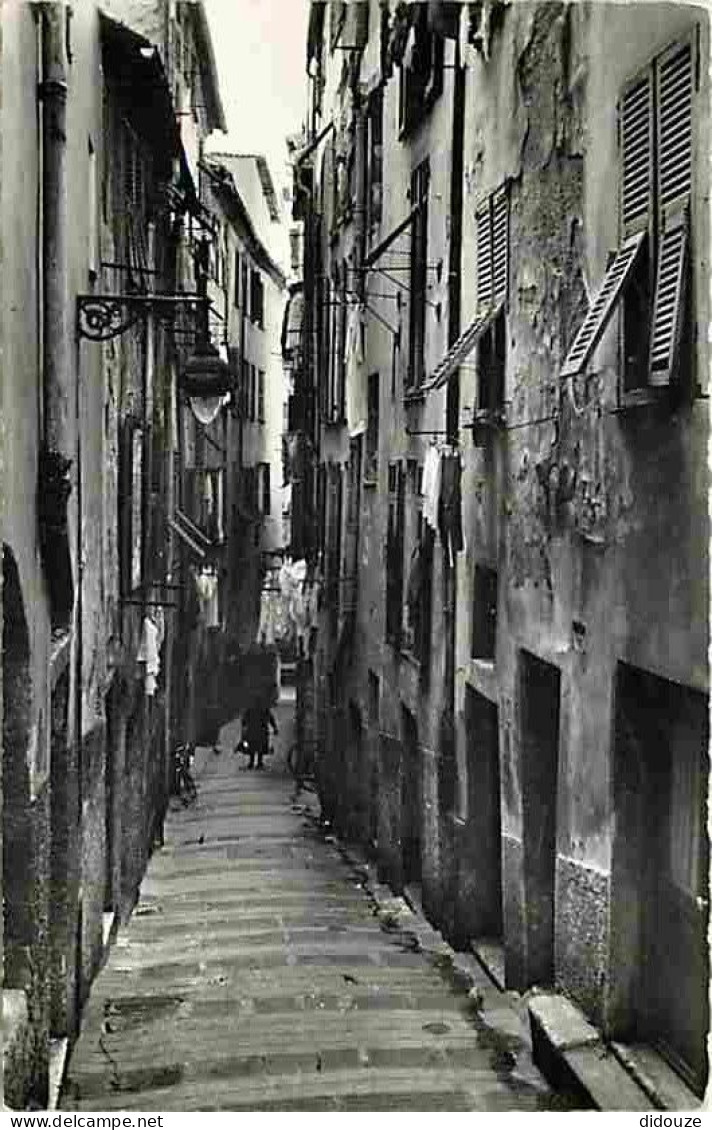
x=370 y=482
x=641 y=398
x=410 y=657
x=413 y=397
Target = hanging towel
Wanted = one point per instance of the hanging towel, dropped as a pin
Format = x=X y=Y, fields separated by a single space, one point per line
x=431 y=486
x=207 y=586
x=148 y=647
x=356 y=402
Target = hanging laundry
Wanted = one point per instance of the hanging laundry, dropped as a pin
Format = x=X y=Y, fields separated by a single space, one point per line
x=450 y=512
x=148 y=654
x=431 y=486
x=356 y=393
x=207 y=585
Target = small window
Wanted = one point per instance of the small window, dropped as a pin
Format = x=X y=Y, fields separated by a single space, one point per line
x=418 y=593
x=253 y=392
x=374 y=159
x=421 y=78
x=419 y=184
x=491 y=364
x=261 y=397
x=93 y=208
x=371 y=465
x=266 y=500
x=484 y=613
x=236 y=295
x=374 y=695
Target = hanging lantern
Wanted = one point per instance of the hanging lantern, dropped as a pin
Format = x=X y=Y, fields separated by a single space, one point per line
x=205 y=375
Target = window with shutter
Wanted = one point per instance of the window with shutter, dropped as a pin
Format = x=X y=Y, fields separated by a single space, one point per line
x=236 y=296
x=650 y=271
x=419 y=184
x=492 y=219
x=670 y=296
x=261 y=397
x=602 y=306
x=485 y=287
x=636 y=126
x=674 y=89
x=500 y=245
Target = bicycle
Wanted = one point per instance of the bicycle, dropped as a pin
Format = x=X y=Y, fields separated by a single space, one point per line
x=184 y=785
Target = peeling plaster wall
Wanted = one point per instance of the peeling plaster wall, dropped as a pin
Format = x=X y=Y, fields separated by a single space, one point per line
x=590 y=516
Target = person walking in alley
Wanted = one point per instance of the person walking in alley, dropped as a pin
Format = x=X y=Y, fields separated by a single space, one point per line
x=255 y=733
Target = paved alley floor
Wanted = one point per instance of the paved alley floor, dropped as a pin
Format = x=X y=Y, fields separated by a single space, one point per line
x=254 y=975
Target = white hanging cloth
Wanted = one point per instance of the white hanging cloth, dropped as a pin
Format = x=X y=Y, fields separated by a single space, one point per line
x=148 y=654
x=356 y=402
x=432 y=473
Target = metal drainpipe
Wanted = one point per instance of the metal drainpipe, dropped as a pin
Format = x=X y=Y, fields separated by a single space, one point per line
x=53 y=93
x=456 y=158
x=57 y=391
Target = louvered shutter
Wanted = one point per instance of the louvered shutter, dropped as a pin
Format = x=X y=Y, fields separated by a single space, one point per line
x=674 y=78
x=674 y=121
x=485 y=282
x=636 y=119
x=670 y=294
x=500 y=245
x=603 y=305
x=460 y=350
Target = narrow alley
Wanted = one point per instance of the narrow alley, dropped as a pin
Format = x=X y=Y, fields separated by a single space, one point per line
x=255 y=975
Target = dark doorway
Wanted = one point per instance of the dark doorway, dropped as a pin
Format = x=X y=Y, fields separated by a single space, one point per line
x=411 y=797
x=484 y=828
x=540 y=690
x=660 y=868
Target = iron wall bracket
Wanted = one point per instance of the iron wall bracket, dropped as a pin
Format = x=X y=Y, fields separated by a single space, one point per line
x=101 y=317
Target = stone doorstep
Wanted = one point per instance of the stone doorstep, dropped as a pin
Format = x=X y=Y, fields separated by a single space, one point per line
x=568 y=1049
x=490 y=955
x=58 y=1056
x=14 y=1027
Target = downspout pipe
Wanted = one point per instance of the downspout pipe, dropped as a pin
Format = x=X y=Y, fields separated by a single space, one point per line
x=453 y=397
x=56 y=345
x=61 y=400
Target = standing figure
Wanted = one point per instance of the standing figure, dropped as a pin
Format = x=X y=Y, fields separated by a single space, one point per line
x=255 y=723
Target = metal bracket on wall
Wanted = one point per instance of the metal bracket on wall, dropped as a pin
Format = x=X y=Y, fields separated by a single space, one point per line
x=101 y=317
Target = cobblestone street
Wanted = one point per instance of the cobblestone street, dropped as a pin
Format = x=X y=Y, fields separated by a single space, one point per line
x=256 y=974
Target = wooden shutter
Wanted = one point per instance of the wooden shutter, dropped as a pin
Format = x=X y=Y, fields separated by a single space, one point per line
x=674 y=76
x=500 y=246
x=669 y=297
x=602 y=306
x=460 y=350
x=636 y=122
x=674 y=79
x=485 y=281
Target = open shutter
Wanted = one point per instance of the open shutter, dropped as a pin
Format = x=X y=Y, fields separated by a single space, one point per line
x=485 y=282
x=500 y=245
x=636 y=120
x=461 y=349
x=603 y=305
x=669 y=297
x=674 y=78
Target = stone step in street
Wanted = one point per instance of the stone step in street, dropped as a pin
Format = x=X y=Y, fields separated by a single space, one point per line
x=255 y=974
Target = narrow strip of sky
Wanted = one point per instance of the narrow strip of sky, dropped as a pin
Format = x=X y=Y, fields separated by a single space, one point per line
x=260 y=51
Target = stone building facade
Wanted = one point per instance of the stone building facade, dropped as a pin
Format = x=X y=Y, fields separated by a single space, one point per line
x=94 y=204
x=505 y=211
